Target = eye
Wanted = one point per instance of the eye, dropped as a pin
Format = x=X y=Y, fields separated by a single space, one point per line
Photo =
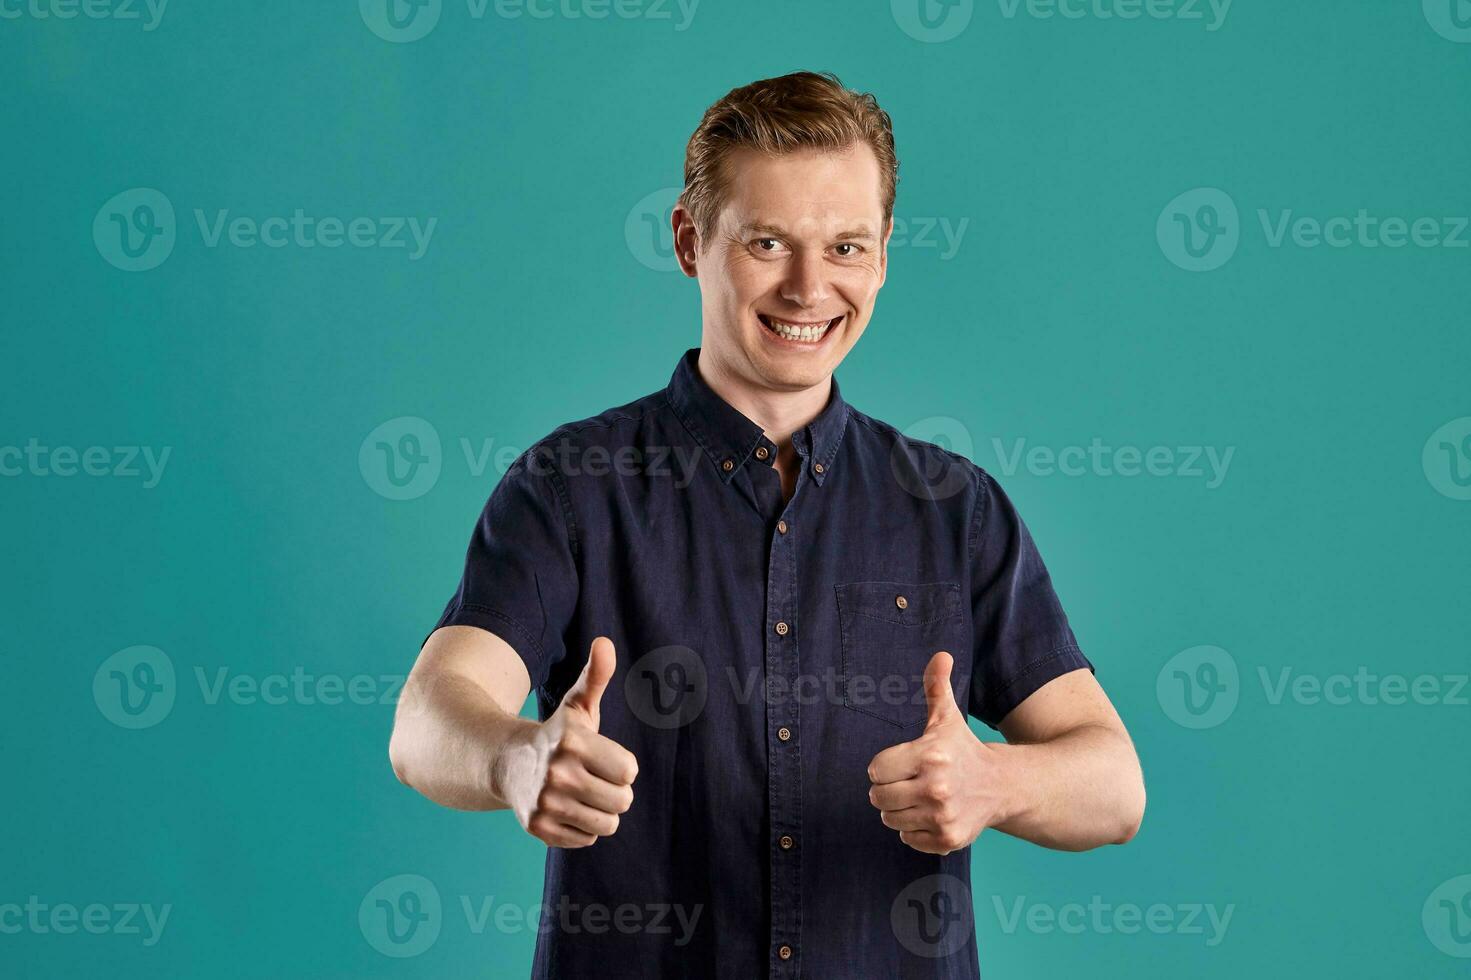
x=849 y=245
x=767 y=244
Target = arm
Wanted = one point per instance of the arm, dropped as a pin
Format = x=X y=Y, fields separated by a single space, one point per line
x=457 y=738
x=1067 y=779
x=460 y=707
x=1073 y=779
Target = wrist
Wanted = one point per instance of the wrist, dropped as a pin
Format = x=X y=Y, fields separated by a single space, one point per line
x=1009 y=764
x=511 y=749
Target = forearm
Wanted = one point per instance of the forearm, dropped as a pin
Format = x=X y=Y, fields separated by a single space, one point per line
x=450 y=740
x=1077 y=791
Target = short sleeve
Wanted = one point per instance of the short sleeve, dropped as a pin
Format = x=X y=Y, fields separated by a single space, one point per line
x=1022 y=636
x=520 y=578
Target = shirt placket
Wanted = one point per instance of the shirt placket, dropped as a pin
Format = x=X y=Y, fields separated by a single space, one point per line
x=783 y=736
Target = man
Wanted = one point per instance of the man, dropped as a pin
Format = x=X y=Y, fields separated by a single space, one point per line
x=756 y=619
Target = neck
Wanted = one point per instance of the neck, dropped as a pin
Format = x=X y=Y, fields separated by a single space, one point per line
x=779 y=413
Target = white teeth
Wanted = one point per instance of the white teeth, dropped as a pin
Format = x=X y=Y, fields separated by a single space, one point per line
x=801 y=333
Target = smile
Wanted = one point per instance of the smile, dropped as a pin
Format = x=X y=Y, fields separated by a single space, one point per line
x=802 y=333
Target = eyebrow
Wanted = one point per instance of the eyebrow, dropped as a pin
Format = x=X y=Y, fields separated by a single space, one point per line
x=777 y=231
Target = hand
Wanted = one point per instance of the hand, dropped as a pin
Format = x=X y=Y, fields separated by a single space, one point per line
x=945 y=787
x=566 y=783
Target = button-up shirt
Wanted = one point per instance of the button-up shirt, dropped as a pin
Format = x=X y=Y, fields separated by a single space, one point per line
x=767 y=650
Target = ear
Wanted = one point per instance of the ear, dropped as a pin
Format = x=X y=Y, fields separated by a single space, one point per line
x=686 y=239
x=884 y=251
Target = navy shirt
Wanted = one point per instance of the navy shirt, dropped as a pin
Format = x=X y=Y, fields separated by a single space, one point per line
x=767 y=651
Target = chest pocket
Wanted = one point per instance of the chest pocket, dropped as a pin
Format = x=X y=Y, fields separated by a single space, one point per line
x=890 y=630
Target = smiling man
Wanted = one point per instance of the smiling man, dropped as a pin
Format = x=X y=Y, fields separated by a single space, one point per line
x=753 y=756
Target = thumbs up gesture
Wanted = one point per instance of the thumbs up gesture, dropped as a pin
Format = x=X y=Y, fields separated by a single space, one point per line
x=566 y=783
x=942 y=789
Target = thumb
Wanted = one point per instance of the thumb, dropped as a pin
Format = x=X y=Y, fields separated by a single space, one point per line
x=937 y=691
x=587 y=693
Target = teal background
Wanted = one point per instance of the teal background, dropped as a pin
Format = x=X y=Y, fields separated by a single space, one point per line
x=264 y=547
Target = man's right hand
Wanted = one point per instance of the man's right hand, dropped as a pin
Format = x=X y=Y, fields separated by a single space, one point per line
x=566 y=783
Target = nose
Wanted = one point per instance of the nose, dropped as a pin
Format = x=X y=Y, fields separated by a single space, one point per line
x=806 y=282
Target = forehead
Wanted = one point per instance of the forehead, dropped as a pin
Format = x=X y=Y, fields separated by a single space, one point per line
x=807 y=191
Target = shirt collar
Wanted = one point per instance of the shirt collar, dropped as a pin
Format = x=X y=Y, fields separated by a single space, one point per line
x=730 y=439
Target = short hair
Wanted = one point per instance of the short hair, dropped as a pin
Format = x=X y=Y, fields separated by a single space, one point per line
x=802 y=110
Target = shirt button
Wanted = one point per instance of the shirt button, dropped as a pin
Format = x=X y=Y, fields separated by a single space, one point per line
x=901 y=602
x=817 y=467
x=781 y=526
x=786 y=842
x=785 y=952
x=784 y=734
x=728 y=465
x=781 y=629
x=761 y=452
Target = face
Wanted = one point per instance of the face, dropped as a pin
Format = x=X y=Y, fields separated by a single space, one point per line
x=789 y=276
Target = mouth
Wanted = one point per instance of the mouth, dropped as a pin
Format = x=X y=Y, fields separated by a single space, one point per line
x=798 y=333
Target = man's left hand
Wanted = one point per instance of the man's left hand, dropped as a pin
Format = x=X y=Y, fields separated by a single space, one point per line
x=945 y=787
